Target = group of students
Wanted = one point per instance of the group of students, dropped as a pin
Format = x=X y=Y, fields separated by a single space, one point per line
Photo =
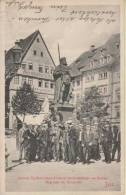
x=68 y=142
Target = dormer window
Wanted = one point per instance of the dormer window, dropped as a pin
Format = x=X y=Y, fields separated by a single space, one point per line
x=78 y=82
x=108 y=58
x=52 y=71
x=41 y=54
x=91 y=64
x=101 y=61
x=117 y=45
x=34 y=52
x=23 y=66
x=38 y=40
x=30 y=67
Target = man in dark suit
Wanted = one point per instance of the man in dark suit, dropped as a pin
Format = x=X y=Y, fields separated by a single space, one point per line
x=107 y=142
x=73 y=139
x=116 y=143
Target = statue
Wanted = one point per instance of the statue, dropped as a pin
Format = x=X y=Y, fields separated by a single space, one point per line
x=62 y=78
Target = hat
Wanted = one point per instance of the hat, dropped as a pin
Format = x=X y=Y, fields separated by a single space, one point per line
x=69 y=121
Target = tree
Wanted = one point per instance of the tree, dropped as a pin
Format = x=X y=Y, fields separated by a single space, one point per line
x=25 y=101
x=93 y=105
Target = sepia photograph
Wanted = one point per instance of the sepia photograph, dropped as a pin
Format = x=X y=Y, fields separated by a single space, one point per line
x=63 y=127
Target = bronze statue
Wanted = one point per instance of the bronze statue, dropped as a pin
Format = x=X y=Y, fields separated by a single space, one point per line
x=62 y=78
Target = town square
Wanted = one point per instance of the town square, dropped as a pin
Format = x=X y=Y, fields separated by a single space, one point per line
x=62 y=104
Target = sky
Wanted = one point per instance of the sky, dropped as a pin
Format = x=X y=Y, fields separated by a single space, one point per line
x=74 y=37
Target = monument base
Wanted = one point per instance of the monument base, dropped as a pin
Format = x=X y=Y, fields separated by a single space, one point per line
x=66 y=110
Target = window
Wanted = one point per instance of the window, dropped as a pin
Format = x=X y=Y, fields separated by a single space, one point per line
x=30 y=67
x=40 y=83
x=101 y=60
x=100 y=90
x=118 y=75
x=87 y=79
x=40 y=69
x=46 y=84
x=23 y=66
x=30 y=81
x=51 y=71
x=105 y=59
x=38 y=40
x=78 y=82
x=46 y=69
x=92 y=77
x=91 y=64
x=103 y=75
x=118 y=114
x=34 y=52
x=23 y=79
x=105 y=90
x=16 y=80
x=108 y=59
x=117 y=93
x=41 y=53
x=78 y=97
x=51 y=85
x=73 y=83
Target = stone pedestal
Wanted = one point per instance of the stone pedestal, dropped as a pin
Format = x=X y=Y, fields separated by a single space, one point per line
x=66 y=110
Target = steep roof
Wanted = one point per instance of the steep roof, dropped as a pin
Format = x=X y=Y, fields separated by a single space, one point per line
x=24 y=45
x=110 y=48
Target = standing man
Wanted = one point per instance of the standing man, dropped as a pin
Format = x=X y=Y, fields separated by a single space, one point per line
x=66 y=143
x=116 y=143
x=80 y=143
x=73 y=139
x=21 y=140
x=42 y=144
x=107 y=142
x=88 y=141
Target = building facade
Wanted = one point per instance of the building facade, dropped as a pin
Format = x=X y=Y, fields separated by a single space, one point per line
x=34 y=66
x=100 y=67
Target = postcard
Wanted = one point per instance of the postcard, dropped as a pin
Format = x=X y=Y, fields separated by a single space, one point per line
x=62 y=108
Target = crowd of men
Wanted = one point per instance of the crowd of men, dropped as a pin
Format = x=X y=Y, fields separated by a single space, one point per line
x=68 y=142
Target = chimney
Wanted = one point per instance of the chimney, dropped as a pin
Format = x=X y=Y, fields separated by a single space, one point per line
x=63 y=61
x=117 y=45
x=17 y=43
x=92 y=48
